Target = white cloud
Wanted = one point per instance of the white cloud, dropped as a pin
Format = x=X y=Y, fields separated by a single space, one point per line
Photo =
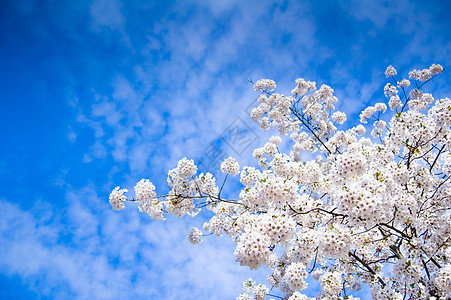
x=107 y=13
x=201 y=86
x=71 y=135
x=90 y=251
x=189 y=82
x=354 y=95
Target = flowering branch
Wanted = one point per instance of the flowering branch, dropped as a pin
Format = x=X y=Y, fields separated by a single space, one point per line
x=370 y=209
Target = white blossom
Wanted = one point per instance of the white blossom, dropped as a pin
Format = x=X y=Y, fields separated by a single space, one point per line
x=260 y=292
x=265 y=84
x=145 y=191
x=230 y=166
x=366 y=114
x=355 y=211
x=424 y=75
x=443 y=279
x=117 y=198
x=295 y=275
x=276 y=140
x=380 y=107
x=391 y=71
x=360 y=129
x=249 y=175
x=395 y=102
x=186 y=168
x=390 y=90
x=404 y=83
x=339 y=117
x=435 y=69
x=194 y=236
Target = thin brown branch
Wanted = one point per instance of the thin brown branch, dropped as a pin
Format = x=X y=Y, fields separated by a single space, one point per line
x=368 y=267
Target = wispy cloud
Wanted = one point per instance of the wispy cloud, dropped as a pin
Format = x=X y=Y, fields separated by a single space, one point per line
x=92 y=252
x=149 y=83
x=107 y=14
x=202 y=82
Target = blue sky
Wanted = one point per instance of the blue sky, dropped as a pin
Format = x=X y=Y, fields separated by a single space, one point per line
x=103 y=93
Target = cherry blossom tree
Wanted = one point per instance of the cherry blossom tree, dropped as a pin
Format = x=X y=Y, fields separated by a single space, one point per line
x=370 y=208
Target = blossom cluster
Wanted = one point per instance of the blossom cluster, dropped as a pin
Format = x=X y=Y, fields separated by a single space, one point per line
x=367 y=205
x=230 y=166
x=117 y=198
x=195 y=236
x=265 y=84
